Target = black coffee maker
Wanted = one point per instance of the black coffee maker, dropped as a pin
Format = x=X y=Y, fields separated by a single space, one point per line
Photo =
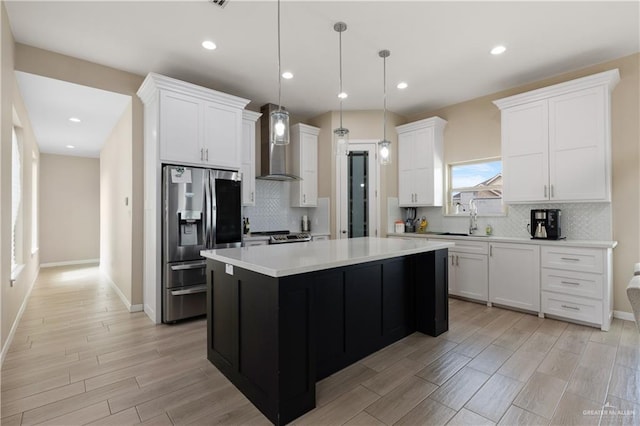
x=545 y=224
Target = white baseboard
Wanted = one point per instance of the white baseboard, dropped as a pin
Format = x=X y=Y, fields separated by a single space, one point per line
x=151 y=313
x=627 y=316
x=69 y=262
x=14 y=326
x=123 y=298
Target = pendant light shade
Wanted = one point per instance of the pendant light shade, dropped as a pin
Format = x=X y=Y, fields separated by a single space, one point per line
x=341 y=134
x=279 y=127
x=279 y=119
x=384 y=146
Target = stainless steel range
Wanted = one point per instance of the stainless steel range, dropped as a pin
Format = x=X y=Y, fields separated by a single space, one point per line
x=296 y=237
x=281 y=237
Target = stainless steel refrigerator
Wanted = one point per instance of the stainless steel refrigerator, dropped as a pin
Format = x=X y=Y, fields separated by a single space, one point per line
x=202 y=209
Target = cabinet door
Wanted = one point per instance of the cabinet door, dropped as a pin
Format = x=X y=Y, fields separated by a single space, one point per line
x=525 y=152
x=406 y=148
x=309 y=176
x=514 y=275
x=248 y=163
x=453 y=284
x=180 y=128
x=472 y=276
x=578 y=167
x=423 y=182
x=222 y=136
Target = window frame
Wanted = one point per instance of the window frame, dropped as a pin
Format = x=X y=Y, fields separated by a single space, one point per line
x=17 y=235
x=448 y=205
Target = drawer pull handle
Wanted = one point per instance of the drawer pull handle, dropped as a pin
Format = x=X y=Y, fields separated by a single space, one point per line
x=193 y=290
x=573 y=259
x=574 y=308
x=190 y=266
x=569 y=282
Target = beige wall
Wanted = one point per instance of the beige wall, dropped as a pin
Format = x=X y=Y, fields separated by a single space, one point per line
x=473 y=131
x=49 y=64
x=13 y=296
x=70 y=208
x=116 y=186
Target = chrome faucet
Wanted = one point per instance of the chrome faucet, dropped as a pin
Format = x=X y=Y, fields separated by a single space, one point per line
x=473 y=215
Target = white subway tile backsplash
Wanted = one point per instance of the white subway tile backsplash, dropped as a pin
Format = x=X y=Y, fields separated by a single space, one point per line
x=273 y=211
x=580 y=221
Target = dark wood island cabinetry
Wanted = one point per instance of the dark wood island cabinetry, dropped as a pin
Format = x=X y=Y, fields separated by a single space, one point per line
x=276 y=326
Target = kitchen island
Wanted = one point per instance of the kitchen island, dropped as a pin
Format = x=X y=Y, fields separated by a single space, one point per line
x=281 y=317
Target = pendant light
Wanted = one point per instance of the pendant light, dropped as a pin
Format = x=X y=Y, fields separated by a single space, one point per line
x=341 y=134
x=384 y=146
x=279 y=119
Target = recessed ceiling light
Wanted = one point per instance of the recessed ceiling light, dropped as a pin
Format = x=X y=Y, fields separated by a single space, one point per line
x=498 y=50
x=288 y=75
x=74 y=119
x=343 y=95
x=70 y=146
x=402 y=85
x=209 y=45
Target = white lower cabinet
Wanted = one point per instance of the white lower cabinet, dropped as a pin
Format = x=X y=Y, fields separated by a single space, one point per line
x=514 y=275
x=576 y=284
x=469 y=270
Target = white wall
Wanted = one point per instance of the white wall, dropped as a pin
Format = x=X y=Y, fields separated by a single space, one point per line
x=13 y=295
x=116 y=224
x=70 y=209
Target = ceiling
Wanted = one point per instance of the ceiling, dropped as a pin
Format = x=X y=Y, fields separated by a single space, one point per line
x=51 y=103
x=441 y=49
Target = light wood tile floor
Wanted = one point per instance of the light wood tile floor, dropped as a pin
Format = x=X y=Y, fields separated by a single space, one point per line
x=78 y=357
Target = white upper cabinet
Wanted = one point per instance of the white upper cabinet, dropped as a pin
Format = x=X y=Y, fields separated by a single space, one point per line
x=556 y=141
x=420 y=163
x=196 y=126
x=248 y=168
x=304 y=149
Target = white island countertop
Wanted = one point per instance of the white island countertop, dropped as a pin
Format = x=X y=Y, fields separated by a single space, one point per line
x=280 y=260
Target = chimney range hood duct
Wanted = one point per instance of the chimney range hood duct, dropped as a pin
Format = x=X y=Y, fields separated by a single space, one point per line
x=273 y=157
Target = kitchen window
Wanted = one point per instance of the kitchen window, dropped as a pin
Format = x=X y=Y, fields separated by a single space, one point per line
x=16 y=204
x=480 y=181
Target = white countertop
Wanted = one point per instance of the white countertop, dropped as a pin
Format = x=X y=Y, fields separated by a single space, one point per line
x=480 y=237
x=279 y=260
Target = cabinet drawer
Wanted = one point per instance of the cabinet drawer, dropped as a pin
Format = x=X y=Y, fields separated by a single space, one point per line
x=573 y=259
x=464 y=246
x=572 y=307
x=572 y=282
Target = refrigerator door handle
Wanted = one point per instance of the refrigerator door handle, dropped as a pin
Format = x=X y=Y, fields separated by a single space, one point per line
x=193 y=290
x=208 y=220
x=191 y=266
x=212 y=211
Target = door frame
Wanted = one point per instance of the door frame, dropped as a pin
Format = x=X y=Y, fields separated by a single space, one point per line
x=370 y=145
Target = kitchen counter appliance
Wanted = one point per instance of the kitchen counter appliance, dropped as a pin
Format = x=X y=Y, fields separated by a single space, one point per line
x=545 y=224
x=202 y=209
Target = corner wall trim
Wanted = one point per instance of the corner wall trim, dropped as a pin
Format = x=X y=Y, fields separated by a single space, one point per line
x=69 y=263
x=14 y=326
x=627 y=316
x=123 y=298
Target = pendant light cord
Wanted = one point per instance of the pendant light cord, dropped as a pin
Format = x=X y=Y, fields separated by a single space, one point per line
x=279 y=69
x=340 y=94
x=384 y=90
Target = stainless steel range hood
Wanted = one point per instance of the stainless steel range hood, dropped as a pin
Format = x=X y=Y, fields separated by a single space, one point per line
x=273 y=164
